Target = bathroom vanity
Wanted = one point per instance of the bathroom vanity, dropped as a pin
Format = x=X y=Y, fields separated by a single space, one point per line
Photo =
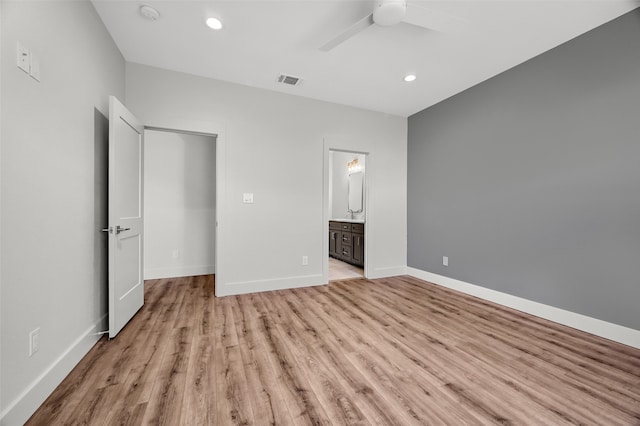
x=346 y=241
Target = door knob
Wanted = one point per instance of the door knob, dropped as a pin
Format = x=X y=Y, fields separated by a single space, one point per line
x=119 y=229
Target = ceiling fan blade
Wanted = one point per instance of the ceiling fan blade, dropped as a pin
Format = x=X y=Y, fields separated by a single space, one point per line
x=348 y=33
x=433 y=19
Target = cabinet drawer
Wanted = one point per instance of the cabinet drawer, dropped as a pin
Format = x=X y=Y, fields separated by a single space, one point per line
x=345 y=238
x=346 y=252
x=335 y=225
x=358 y=228
x=340 y=226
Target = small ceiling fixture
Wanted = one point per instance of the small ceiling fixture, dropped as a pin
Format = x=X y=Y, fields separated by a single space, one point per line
x=149 y=12
x=409 y=78
x=214 y=23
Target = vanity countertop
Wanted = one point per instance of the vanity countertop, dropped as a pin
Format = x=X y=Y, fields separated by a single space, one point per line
x=347 y=220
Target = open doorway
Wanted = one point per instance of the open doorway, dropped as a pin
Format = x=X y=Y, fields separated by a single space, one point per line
x=347 y=215
x=179 y=204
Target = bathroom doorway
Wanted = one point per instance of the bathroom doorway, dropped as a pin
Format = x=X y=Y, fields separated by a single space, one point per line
x=347 y=215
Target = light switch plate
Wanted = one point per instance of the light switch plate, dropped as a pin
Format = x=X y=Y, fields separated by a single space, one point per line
x=247 y=198
x=445 y=260
x=23 y=58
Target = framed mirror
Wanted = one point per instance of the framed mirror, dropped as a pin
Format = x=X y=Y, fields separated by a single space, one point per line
x=356 y=184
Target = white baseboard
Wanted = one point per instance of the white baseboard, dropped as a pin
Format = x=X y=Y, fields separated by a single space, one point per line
x=178 y=271
x=243 y=287
x=25 y=404
x=615 y=332
x=391 y=271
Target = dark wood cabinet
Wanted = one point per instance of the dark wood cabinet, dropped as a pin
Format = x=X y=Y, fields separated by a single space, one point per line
x=335 y=239
x=346 y=242
x=334 y=246
x=358 y=249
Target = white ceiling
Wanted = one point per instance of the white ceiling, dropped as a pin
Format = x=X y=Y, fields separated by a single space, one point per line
x=263 y=38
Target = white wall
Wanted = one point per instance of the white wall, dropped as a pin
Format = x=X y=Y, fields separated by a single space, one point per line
x=339 y=184
x=52 y=199
x=179 y=204
x=274 y=148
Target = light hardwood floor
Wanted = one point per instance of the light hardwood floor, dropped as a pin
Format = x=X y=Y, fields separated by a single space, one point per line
x=395 y=351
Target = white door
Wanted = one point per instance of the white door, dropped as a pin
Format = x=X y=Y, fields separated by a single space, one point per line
x=126 y=286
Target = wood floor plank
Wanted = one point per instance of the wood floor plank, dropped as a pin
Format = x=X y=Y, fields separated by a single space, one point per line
x=198 y=385
x=167 y=394
x=303 y=404
x=231 y=384
x=390 y=351
x=267 y=401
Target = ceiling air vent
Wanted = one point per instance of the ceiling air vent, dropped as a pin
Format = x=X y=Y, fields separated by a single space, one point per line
x=289 y=79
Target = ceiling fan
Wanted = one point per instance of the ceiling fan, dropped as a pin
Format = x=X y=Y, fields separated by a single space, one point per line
x=391 y=12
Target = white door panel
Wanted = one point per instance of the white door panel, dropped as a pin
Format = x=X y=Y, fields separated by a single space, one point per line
x=126 y=285
x=128 y=183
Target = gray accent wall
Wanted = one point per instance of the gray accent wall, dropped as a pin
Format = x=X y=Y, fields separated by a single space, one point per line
x=530 y=181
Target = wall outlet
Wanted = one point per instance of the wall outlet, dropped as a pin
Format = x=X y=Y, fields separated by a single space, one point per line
x=176 y=254
x=305 y=260
x=34 y=341
x=445 y=260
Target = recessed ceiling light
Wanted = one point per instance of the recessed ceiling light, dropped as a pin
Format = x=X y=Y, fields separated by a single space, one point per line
x=149 y=12
x=409 y=77
x=214 y=23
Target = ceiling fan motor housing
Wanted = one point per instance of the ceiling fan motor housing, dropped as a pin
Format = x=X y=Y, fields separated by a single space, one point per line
x=389 y=12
